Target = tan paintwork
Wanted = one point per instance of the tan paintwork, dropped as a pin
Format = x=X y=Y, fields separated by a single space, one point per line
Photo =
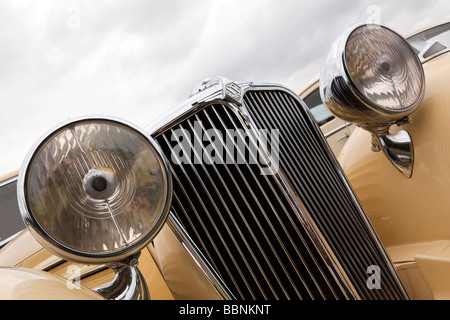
x=411 y=216
x=337 y=140
x=25 y=252
x=28 y=284
x=185 y=280
x=9 y=175
x=310 y=87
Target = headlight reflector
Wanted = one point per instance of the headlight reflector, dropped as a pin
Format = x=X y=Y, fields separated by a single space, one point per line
x=95 y=190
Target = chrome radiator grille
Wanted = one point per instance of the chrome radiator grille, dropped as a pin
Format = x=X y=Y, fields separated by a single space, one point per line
x=313 y=174
x=244 y=222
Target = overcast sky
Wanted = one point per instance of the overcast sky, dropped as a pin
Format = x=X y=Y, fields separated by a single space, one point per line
x=137 y=59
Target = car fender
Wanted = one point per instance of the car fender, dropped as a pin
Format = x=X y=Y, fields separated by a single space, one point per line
x=29 y=284
x=408 y=211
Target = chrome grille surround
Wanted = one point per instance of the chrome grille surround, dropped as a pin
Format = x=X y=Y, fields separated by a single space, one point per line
x=279 y=245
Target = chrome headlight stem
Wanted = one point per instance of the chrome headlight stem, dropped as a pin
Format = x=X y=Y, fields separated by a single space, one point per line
x=128 y=282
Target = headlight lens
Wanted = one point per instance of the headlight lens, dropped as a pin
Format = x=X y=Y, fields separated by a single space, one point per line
x=383 y=67
x=95 y=189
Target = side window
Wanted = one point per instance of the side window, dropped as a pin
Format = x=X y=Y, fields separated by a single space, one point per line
x=10 y=219
x=318 y=109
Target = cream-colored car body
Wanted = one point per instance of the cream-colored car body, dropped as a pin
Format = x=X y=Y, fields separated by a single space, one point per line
x=164 y=263
x=26 y=284
x=411 y=216
x=67 y=278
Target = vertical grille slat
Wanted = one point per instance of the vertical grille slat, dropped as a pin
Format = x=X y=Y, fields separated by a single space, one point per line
x=201 y=206
x=250 y=226
x=281 y=261
x=323 y=194
x=260 y=228
x=286 y=213
x=269 y=222
x=228 y=209
x=314 y=183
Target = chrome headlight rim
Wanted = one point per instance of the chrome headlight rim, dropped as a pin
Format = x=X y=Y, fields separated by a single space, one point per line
x=58 y=248
x=372 y=104
x=354 y=106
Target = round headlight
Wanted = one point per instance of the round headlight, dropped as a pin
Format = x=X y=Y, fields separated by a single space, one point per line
x=372 y=77
x=95 y=190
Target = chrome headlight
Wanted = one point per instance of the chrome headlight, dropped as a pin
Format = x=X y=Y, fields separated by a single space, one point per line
x=372 y=77
x=95 y=190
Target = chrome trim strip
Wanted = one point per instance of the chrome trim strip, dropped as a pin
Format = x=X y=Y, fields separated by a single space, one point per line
x=7 y=240
x=345 y=136
x=327 y=135
x=91 y=272
x=8 y=181
x=297 y=205
x=422 y=59
x=187 y=243
x=53 y=265
x=426 y=29
x=437 y=54
x=352 y=193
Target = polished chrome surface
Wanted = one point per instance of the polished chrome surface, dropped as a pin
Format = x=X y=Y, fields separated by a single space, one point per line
x=128 y=282
x=92 y=164
x=8 y=181
x=345 y=136
x=399 y=150
x=330 y=133
x=345 y=100
x=4 y=242
x=219 y=190
x=175 y=236
x=431 y=42
x=316 y=178
x=433 y=50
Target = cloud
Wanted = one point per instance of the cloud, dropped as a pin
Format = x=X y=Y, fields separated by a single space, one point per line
x=136 y=59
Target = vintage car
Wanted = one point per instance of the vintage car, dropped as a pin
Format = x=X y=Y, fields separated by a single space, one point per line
x=236 y=195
